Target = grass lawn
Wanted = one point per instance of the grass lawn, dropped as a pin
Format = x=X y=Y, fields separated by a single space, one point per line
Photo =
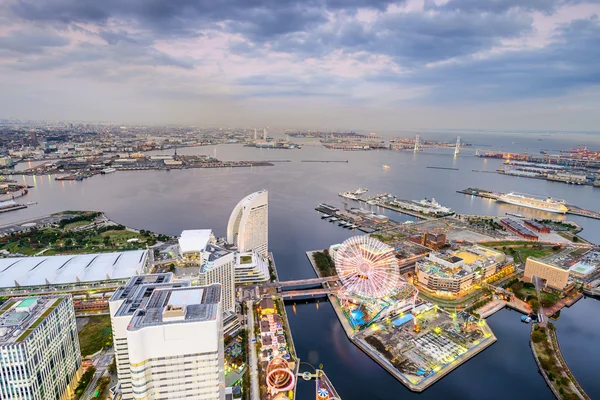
x=74 y=225
x=120 y=238
x=95 y=335
x=245 y=259
x=507 y=243
x=15 y=248
x=537 y=253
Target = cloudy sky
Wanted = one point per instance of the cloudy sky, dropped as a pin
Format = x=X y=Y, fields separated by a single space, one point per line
x=361 y=64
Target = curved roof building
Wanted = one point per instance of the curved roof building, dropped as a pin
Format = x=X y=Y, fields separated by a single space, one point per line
x=70 y=269
x=248 y=226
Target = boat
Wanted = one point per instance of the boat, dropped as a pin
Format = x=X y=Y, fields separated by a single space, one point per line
x=108 y=171
x=360 y=191
x=385 y=166
x=526 y=319
x=372 y=202
x=539 y=203
x=65 y=178
x=348 y=195
x=514 y=215
x=30 y=203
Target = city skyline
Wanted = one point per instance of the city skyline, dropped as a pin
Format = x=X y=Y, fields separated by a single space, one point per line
x=364 y=66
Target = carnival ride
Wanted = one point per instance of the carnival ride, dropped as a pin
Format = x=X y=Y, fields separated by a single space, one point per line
x=280 y=377
x=367 y=267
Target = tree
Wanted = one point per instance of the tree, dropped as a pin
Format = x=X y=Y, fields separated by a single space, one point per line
x=112 y=367
x=575 y=239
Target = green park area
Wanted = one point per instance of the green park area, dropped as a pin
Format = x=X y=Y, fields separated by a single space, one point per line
x=553 y=365
x=324 y=263
x=245 y=259
x=95 y=335
x=527 y=293
x=64 y=237
x=521 y=250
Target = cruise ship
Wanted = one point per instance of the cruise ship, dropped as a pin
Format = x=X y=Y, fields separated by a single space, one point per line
x=539 y=203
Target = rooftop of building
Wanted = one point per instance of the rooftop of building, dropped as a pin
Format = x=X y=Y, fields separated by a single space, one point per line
x=66 y=269
x=139 y=289
x=576 y=259
x=463 y=261
x=178 y=305
x=124 y=292
x=195 y=240
x=215 y=252
x=20 y=316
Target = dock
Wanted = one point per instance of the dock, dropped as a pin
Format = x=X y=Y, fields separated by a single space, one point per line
x=448 y=168
x=326 y=161
x=572 y=209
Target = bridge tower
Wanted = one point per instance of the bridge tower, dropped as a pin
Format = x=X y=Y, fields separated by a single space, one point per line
x=457 y=148
x=417 y=143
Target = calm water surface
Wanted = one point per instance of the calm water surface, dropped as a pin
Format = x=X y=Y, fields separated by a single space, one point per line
x=169 y=202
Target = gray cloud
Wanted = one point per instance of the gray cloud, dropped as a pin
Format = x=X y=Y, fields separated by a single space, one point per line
x=412 y=38
x=186 y=17
x=29 y=41
x=570 y=62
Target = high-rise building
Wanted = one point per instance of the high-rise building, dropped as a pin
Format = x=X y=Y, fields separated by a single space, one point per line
x=251 y=268
x=206 y=263
x=123 y=304
x=248 y=226
x=175 y=345
x=39 y=348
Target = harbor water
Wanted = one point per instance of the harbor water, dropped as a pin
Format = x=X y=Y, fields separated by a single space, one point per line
x=171 y=201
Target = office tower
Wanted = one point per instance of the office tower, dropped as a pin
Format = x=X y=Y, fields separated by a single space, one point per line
x=175 y=345
x=265 y=134
x=123 y=304
x=255 y=137
x=39 y=348
x=248 y=226
x=206 y=263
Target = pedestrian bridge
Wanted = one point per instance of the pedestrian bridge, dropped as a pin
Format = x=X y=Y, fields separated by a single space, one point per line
x=300 y=282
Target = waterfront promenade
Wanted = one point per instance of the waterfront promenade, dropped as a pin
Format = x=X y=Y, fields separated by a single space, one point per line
x=552 y=365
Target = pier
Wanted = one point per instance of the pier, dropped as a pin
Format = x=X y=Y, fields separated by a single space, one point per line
x=572 y=209
x=448 y=168
x=325 y=161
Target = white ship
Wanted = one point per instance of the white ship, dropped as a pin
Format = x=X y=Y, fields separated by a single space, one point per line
x=108 y=171
x=538 y=203
x=360 y=191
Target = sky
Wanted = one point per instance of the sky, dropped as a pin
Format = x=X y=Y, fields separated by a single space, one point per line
x=316 y=64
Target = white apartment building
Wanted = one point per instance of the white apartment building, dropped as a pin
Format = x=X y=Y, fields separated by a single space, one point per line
x=123 y=304
x=40 y=357
x=175 y=345
x=248 y=226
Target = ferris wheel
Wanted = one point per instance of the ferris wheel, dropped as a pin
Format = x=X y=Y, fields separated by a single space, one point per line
x=367 y=267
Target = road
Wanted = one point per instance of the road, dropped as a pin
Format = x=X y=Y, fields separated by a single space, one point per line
x=541 y=315
x=101 y=362
x=254 y=385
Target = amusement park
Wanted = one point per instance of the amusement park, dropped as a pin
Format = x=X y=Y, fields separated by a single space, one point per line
x=415 y=341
